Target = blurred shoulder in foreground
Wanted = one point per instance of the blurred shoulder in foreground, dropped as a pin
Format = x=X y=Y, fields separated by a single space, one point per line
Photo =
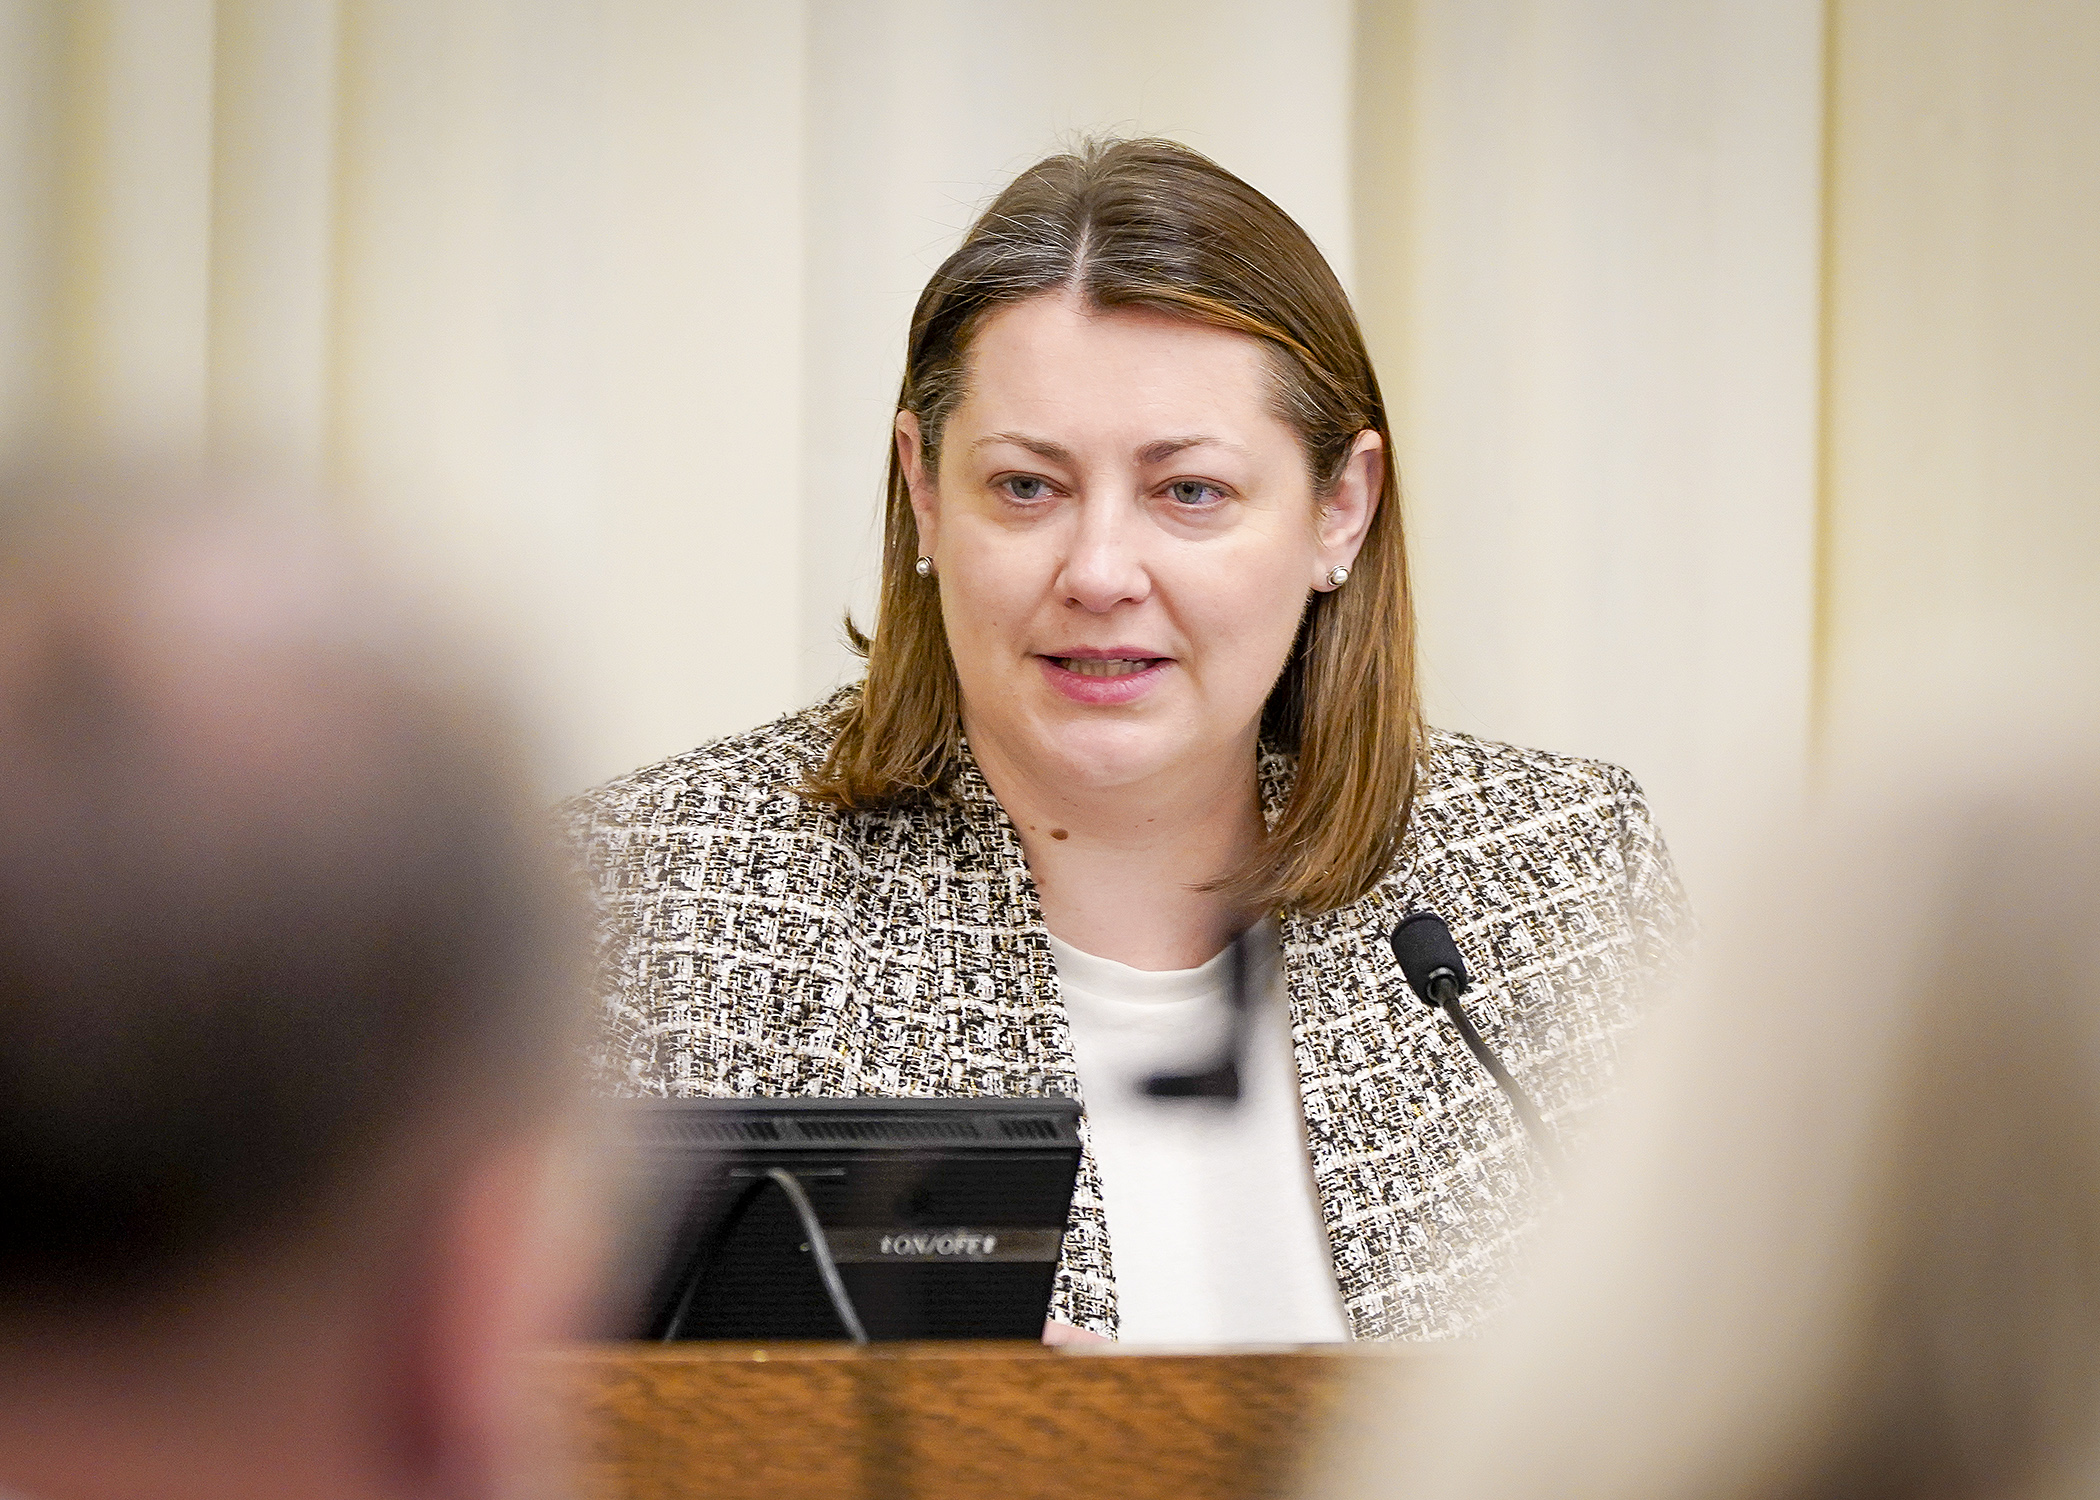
x=288 y=1006
x=1843 y=1237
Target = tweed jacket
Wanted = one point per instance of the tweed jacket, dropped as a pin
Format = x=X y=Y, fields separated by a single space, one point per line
x=755 y=944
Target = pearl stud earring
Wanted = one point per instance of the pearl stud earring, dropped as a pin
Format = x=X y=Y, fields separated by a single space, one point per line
x=923 y=567
x=1337 y=575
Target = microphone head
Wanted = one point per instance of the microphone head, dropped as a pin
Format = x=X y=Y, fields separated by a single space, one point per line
x=1424 y=946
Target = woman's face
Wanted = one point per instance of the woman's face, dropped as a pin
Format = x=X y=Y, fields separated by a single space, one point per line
x=1125 y=536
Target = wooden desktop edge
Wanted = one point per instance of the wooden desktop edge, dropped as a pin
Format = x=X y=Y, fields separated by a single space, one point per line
x=954 y=1418
x=617 y=1351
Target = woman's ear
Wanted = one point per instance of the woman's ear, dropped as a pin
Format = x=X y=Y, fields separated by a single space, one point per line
x=925 y=502
x=1345 y=515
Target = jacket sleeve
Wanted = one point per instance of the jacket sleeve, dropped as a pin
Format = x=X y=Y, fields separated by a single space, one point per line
x=622 y=1057
x=1664 y=930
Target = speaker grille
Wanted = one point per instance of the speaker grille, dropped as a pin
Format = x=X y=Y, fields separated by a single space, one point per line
x=1029 y=1130
x=887 y=1130
x=699 y=1130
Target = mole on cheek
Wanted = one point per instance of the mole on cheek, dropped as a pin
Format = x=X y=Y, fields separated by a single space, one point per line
x=1059 y=833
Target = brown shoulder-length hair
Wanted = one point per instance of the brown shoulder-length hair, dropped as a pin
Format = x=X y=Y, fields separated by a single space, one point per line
x=1152 y=224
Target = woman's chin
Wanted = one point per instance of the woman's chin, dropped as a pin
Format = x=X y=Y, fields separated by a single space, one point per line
x=1104 y=756
x=1074 y=750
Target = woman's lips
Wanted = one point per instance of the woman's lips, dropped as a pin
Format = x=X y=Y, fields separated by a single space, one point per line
x=1104 y=679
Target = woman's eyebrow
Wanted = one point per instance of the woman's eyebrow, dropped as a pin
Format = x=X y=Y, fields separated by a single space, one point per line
x=1057 y=453
x=1165 y=448
x=1155 y=452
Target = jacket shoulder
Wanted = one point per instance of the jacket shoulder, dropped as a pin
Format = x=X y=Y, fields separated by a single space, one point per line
x=1511 y=809
x=1537 y=821
x=1463 y=768
x=741 y=773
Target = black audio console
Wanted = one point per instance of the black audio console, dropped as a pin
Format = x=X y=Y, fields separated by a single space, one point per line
x=828 y=1218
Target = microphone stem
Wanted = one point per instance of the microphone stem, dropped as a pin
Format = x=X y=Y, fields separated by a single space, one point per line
x=1446 y=993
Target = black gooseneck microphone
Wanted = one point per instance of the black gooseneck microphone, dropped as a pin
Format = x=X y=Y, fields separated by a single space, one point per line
x=1436 y=972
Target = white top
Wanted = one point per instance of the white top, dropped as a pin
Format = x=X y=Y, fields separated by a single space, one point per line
x=1213 y=1225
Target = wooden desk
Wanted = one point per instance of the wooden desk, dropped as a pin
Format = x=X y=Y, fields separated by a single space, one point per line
x=931 y=1421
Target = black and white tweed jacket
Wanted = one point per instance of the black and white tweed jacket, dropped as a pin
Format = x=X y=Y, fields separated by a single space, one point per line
x=756 y=944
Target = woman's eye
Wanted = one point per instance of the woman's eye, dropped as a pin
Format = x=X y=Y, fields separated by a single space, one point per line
x=1025 y=487
x=1193 y=492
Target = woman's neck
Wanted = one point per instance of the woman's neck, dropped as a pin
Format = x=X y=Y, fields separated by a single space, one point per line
x=1119 y=870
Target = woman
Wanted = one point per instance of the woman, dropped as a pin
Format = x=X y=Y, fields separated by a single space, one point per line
x=1143 y=681
x=1843 y=1234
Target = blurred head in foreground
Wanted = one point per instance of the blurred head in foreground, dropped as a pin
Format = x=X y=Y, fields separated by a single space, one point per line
x=283 y=1014
x=1845 y=1241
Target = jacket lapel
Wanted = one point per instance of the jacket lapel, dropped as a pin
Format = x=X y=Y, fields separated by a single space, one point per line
x=1008 y=1011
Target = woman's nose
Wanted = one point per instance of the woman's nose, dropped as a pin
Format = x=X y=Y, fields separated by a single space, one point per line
x=1103 y=567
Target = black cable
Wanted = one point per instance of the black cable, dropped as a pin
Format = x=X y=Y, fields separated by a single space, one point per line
x=820 y=1249
x=1443 y=990
x=674 y=1326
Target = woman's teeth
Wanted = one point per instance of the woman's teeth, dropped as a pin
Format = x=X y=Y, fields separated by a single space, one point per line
x=1116 y=666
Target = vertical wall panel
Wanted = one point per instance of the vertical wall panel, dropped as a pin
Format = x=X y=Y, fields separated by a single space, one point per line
x=568 y=342
x=1591 y=274
x=272 y=270
x=1963 y=546
x=689 y=566
x=28 y=207
x=134 y=237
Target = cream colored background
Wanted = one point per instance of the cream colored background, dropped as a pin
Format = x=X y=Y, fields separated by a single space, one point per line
x=1744 y=351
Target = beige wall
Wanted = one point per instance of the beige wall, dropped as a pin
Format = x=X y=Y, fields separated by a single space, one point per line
x=595 y=307
x=1732 y=442
x=1715 y=425
x=1962 y=457
x=566 y=350
x=1589 y=259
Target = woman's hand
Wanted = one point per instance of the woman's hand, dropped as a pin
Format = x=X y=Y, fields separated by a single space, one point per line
x=1059 y=1334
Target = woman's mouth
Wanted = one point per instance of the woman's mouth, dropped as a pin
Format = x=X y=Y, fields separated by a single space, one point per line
x=1099 y=680
x=1113 y=666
